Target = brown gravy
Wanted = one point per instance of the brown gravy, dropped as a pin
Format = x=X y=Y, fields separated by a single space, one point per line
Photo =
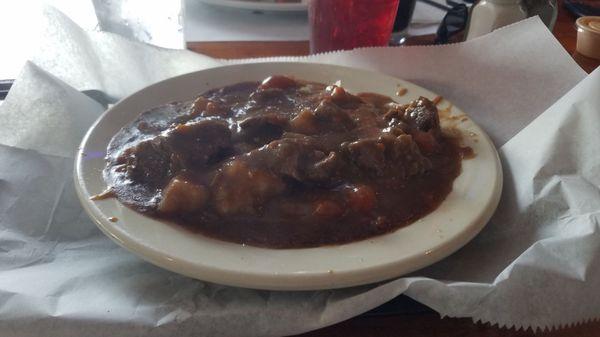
x=285 y=163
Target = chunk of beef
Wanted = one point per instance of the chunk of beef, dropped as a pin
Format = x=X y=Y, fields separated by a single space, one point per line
x=398 y=127
x=388 y=155
x=150 y=162
x=420 y=119
x=269 y=100
x=342 y=98
x=197 y=142
x=403 y=151
x=333 y=118
x=255 y=123
x=241 y=189
x=367 y=154
x=300 y=159
x=191 y=145
x=242 y=147
x=263 y=128
x=422 y=113
x=324 y=170
x=284 y=157
x=245 y=183
x=268 y=96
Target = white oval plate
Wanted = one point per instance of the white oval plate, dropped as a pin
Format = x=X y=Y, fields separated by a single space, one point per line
x=260 y=5
x=457 y=220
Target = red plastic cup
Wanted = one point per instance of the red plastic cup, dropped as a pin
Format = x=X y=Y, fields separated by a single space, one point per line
x=347 y=24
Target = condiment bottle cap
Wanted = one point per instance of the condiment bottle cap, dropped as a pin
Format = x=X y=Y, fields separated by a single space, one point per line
x=588 y=36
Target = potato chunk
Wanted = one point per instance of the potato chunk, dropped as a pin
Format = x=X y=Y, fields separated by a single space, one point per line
x=239 y=189
x=305 y=123
x=181 y=195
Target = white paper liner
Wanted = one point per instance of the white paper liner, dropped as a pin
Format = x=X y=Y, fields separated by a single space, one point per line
x=536 y=264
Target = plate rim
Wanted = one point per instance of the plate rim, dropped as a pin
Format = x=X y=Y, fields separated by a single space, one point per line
x=258 y=6
x=297 y=281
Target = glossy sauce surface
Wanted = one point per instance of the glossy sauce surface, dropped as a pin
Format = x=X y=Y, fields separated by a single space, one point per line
x=285 y=163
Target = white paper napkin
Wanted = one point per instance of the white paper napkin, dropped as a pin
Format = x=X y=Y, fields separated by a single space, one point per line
x=536 y=264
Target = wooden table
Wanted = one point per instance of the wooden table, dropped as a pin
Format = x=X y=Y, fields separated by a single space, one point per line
x=564 y=31
x=427 y=322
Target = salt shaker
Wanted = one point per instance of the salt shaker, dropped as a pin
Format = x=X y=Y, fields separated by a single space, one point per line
x=488 y=15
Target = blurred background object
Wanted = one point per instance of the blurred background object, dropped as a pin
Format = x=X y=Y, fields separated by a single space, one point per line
x=547 y=10
x=157 y=23
x=453 y=24
x=349 y=24
x=588 y=36
x=583 y=7
x=488 y=15
x=262 y=5
x=207 y=23
x=209 y=29
x=404 y=14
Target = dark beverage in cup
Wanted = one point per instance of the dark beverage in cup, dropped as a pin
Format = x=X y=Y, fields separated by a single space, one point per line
x=347 y=24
